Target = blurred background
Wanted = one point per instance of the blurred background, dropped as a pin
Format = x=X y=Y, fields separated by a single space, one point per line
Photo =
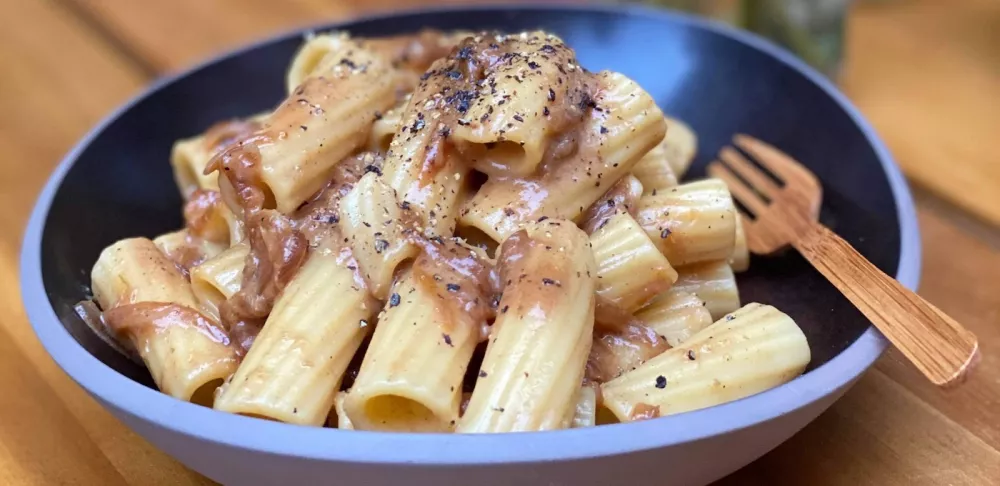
x=926 y=74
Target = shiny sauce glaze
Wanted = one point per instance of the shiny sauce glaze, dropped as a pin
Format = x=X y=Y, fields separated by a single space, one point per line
x=91 y=314
x=203 y=216
x=462 y=281
x=532 y=273
x=623 y=196
x=140 y=321
x=616 y=352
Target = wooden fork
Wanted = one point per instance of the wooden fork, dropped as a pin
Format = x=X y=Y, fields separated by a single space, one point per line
x=788 y=214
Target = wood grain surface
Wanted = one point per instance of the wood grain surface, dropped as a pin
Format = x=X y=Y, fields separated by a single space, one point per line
x=926 y=72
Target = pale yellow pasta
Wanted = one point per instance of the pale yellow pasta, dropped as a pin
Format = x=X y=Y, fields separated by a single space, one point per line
x=749 y=351
x=327 y=117
x=411 y=377
x=296 y=363
x=680 y=145
x=218 y=278
x=372 y=224
x=653 y=170
x=630 y=269
x=713 y=283
x=739 y=261
x=610 y=143
x=313 y=51
x=546 y=320
x=585 y=409
x=676 y=315
x=184 y=357
x=343 y=420
x=182 y=248
x=385 y=127
x=515 y=125
x=190 y=155
x=691 y=223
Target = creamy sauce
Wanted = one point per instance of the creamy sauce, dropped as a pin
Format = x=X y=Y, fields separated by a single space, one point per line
x=462 y=281
x=202 y=216
x=614 y=353
x=622 y=197
x=142 y=320
x=92 y=316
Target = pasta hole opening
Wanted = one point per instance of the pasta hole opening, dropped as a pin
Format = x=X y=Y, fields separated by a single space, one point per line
x=509 y=155
x=395 y=412
x=605 y=416
x=187 y=177
x=478 y=238
x=310 y=61
x=205 y=394
x=209 y=296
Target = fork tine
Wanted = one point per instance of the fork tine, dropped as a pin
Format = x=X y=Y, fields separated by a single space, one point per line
x=749 y=172
x=740 y=191
x=778 y=162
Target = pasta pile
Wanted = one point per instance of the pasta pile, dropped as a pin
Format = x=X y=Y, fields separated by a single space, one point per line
x=446 y=233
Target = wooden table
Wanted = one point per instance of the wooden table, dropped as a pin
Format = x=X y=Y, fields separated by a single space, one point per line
x=927 y=74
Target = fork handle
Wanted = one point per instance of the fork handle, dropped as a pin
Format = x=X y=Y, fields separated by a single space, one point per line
x=941 y=348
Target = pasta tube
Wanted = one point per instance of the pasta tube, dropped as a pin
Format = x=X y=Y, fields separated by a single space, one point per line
x=525 y=108
x=713 y=283
x=411 y=378
x=739 y=261
x=585 y=410
x=680 y=145
x=654 y=171
x=218 y=278
x=372 y=224
x=749 y=351
x=623 y=125
x=676 y=315
x=535 y=359
x=630 y=269
x=385 y=127
x=147 y=300
x=296 y=363
x=190 y=156
x=691 y=223
x=328 y=117
x=185 y=249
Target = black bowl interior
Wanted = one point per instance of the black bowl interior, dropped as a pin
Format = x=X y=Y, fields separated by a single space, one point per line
x=121 y=184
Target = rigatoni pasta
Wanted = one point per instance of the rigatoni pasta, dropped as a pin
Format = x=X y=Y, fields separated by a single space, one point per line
x=746 y=352
x=446 y=232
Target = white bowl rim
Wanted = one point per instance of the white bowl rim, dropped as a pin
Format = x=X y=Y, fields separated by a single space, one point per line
x=313 y=443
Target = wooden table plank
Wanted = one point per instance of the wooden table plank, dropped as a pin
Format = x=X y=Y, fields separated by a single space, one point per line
x=960 y=267
x=58 y=81
x=926 y=73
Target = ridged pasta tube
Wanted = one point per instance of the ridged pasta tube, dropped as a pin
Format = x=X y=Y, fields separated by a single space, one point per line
x=630 y=269
x=608 y=145
x=713 y=283
x=691 y=223
x=296 y=363
x=653 y=170
x=676 y=315
x=739 y=261
x=680 y=146
x=411 y=377
x=146 y=299
x=749 y=351
x=535 y=359
x=218 y=278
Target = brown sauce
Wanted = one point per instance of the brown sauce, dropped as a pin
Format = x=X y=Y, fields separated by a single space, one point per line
x=461 y=280
x=622 y=197
x=614 y=353
x=141 y=320
x=203 y=216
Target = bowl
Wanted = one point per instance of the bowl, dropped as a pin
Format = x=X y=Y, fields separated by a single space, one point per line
x=117 y=183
